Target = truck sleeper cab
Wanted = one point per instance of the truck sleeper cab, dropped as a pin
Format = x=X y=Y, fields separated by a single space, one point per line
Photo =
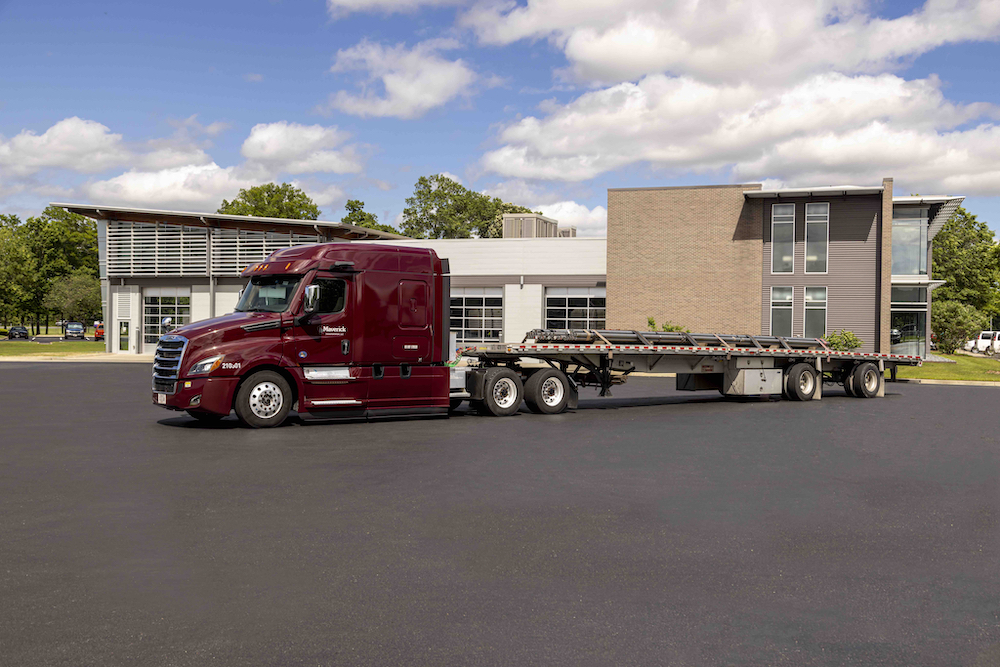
x=334 y=330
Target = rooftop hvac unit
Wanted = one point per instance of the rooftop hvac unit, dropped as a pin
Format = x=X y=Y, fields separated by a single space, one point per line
x=528 y=226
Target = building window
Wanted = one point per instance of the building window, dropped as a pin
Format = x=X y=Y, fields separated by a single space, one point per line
x=909 y=241
x=477 y=314
x=908 y=330
x=160 y=302
x=815 y=312
x=782 y=238
x=781 y=311
x=575 y=308
x=817 y=237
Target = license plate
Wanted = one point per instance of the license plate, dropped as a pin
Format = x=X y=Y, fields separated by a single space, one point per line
x=161 y=399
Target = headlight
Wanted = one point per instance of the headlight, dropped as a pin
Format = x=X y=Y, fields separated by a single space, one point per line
x=206 y=366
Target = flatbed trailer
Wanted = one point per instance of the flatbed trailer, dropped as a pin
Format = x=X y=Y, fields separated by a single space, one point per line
x=734 y=365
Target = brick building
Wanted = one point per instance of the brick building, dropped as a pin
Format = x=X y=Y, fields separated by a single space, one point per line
x=789 y=262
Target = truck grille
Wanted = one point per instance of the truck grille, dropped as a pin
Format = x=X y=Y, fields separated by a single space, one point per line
x=167 y=363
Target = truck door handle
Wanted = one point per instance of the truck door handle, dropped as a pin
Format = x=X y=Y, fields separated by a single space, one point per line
x=345 y=346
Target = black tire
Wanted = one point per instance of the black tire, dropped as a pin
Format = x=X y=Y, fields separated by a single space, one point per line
x=454 y=404
x=849 y=382
x=547 y=391
x=867 y=380
x=502 y=392
x=263 y=400
x=801 y=382
x=207 y=417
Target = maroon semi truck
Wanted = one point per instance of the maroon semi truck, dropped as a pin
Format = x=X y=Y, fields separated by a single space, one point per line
x=349 y=330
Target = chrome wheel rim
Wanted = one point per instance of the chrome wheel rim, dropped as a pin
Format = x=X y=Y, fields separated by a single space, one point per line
x=266 y=400
x=504 y=393
x=806 y=382
x=871 y=380
x=552 y=392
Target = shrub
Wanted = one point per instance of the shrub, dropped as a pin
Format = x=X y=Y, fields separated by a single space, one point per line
x=955 y=323
x=845 y=341
x=666 y=326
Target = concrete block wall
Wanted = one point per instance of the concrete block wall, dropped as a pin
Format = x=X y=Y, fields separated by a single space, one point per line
x=688 y=255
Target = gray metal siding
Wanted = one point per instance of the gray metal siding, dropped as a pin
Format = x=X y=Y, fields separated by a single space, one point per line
x=851 y=279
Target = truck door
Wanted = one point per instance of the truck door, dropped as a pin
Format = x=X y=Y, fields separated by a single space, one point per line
x=323 y=345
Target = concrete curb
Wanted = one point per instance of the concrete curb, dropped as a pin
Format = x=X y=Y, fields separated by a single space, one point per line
x=94 y=358
x=957 y=383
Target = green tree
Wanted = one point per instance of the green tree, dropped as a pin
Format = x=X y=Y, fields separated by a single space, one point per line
x=358 y=216
x=843 y=341
x=17 y=271
x=966 y=256
x=955 y=323
x=272 y=201
x=76 y=296
x=441 y=208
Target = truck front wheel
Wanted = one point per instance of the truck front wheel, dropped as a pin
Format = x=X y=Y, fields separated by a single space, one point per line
x=502 y=391
x=547 y=391
x=263 y=400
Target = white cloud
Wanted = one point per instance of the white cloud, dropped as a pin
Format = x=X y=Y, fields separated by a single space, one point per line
x=341 y=8
x=296 y=149
x=326 y=196
x=832 y=127
x=74 y=143
x=193 y=187
x=588 y=221
x=413 y=81
x=253 y=78
x=451 y=176
x=722 y=40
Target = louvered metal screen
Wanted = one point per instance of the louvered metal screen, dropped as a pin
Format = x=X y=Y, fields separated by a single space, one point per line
x=148 y=249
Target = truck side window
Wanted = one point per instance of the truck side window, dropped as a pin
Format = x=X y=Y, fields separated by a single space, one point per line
x=331 y=295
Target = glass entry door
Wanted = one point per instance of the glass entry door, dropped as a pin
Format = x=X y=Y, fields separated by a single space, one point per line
x=160 y=302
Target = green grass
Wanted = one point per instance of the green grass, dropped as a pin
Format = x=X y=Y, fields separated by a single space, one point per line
x=63 y=348
x=980 y=369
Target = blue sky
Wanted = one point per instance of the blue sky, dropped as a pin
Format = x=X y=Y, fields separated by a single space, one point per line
x=546 y=104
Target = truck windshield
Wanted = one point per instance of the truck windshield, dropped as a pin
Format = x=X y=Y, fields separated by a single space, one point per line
x=269 y=294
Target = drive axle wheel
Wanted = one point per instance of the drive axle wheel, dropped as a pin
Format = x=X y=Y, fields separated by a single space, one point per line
x=547 y=391
x=801 y=382
x=867 y=380
x=263 y=400
x=502 y=392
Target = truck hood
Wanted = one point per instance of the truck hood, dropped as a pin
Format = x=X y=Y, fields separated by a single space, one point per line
x=215 y=330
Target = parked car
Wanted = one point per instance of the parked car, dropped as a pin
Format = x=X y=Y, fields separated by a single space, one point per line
x=934 y=341
x=18 y=332
x=99 y=331
x=75 y=330
x=895 y=336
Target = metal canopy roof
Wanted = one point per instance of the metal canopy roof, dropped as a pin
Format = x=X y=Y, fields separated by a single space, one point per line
x=927 y=199
x=328 y=230
x=827 y=190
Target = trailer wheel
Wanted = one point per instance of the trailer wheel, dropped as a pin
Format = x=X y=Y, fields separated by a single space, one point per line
x=502 y=392
x=263 y=400
x=800 y=382
x=849 y=382
x=867 y=380
x=547 y=391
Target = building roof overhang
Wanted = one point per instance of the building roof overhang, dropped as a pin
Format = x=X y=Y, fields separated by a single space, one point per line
x=824 y=191
x=326 y=229
x=929 y=199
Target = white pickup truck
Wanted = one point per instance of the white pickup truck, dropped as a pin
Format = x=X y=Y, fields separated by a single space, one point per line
x=987 y=342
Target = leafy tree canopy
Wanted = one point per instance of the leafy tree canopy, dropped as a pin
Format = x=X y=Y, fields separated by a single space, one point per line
x=76 y=296
x=441 y=208
x=955 y=323
x=966 y=256
x=272 y=201
x=358 y=216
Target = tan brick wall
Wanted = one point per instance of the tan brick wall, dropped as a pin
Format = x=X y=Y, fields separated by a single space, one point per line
x=689 y=255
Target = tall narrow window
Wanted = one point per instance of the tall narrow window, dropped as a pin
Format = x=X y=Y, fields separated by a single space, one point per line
x=781 y=311
x=815 y=312
x=782 y=238
x=817 y=237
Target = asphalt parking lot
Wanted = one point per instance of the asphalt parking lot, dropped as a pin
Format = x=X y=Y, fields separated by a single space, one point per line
x=653 y=528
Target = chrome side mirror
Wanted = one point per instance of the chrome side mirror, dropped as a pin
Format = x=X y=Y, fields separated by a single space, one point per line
x=168 y=324
x=311 y=301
